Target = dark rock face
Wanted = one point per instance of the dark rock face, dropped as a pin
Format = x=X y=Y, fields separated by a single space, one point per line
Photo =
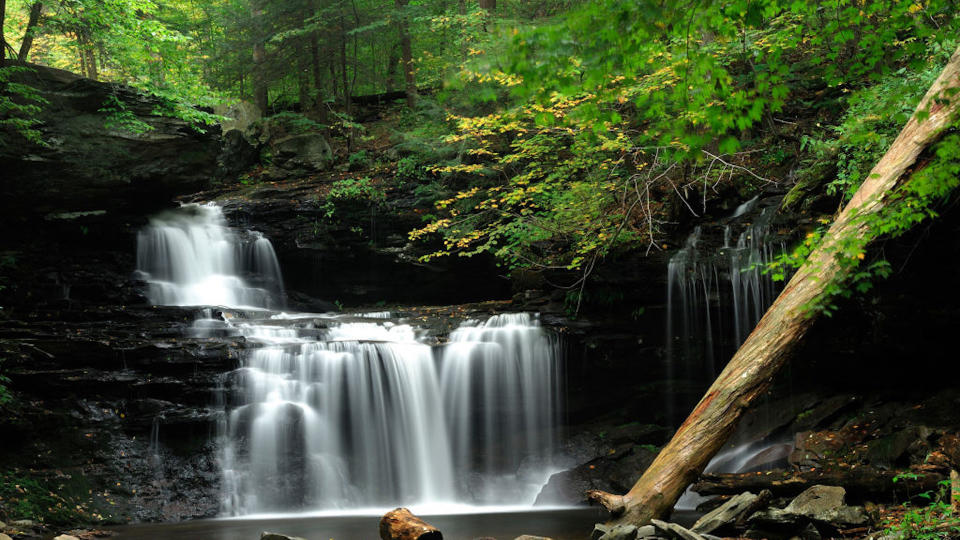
x=353 y=252
x=119 y=403
x=89 y=167
x=615 y=472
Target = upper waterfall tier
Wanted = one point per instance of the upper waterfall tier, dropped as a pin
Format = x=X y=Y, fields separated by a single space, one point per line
x=190 y=257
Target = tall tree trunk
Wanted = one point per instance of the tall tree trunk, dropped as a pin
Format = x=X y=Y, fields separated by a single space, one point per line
x=318 y=88
x=406 y=52
x=392 y=61
x=751 y=371
x=88 y=60
x=83 y=58
x=91 y=54
x=27 y=42
x=3 y=41
x=303 y=76
x=344 y=78
x=462 y=10
x=489 y=5
x=260 y=88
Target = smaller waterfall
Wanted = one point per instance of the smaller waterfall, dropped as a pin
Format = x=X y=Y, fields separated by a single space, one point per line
x=189 y=257
x=715 y=297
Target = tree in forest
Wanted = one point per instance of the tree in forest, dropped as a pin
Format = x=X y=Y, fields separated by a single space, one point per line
x=406 y=53
x=32 y=23
x=3 y=41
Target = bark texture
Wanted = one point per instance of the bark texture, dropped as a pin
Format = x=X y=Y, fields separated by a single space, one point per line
x=401 y=524
x=751 y=371
x=406 y=52
x=3 y=41
x=27 y=42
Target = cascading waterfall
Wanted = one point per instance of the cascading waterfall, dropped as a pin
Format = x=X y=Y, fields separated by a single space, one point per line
x=500 y=383
x=715 y=298
x=326 y=413
x=366 y=415
x=189 y=257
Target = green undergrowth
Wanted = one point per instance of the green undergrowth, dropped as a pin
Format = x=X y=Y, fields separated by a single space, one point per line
x=63 y=499
x=932 y=519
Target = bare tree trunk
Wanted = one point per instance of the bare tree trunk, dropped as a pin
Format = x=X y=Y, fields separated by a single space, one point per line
x=751 y=371
x=3 y=41
x=392 y=61
x=406 y=52
x=343 y=64
x=489 y=5
x=260 y=88
x=88 y=58
x=303 y=76
x=27 y=42
x=317 y=76
x=83 y=60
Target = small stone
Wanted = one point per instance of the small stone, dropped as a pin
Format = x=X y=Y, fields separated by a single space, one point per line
x=5 y=537
x=809 y=532
x=817 y=500
x=599 y=529
x=276 y=536
x=621 y=532
x=646 y=531
x=24 y=523
x=725 y=514
x=825 y=504
x=679 y=532
x=532 y=537
x=65 y=537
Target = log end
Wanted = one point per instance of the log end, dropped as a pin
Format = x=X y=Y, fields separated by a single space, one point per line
x=613 y=503
x=401 y=524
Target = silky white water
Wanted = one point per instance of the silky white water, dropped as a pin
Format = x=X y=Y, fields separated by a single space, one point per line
x=325 y=413
x=715 y=297
x=189 y=257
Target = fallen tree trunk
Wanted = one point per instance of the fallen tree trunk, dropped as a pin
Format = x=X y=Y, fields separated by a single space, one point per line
x=750 y=373
x=401 y=524
x=861 y=483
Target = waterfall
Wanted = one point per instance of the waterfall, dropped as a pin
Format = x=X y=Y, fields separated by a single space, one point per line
x=327 y=413
x=365 y=415
x=189 y=257
x=715 y=297
x=499 y=381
